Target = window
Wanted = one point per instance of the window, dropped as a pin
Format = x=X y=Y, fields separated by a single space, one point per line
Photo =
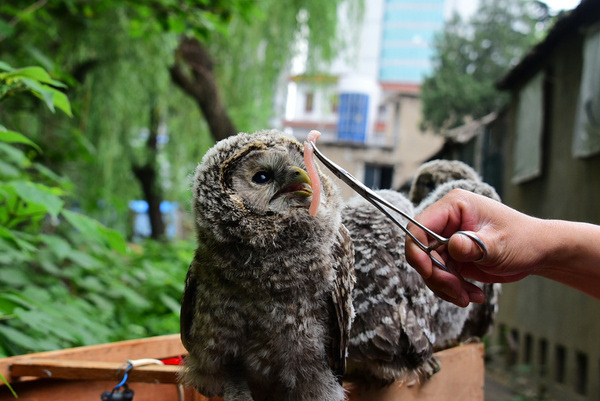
x=560 y=362
x=527 y=150
x=512 y=356
x=528 y=349
x=378 y=177
x=581 y=373
x=586 y=138
x=543 y=357
x=352 y=123
x=309 y=102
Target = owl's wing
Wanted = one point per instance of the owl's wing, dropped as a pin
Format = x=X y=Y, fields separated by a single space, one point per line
x=187 y=304
x=340 y=303
x=392 y=305
x=393 y=310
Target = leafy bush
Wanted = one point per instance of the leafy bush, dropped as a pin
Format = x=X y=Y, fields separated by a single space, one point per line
x=65 y=279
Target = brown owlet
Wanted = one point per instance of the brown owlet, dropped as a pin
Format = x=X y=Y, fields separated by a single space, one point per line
x=442 y=176
x=434 y=173
x=394 y=329
x=267 y=303
x=399 y=322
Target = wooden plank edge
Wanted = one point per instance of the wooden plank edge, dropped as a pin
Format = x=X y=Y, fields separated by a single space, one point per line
x=150 y=347
x=93 y=370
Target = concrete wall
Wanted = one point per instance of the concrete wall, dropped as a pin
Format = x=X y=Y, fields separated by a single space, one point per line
x=537 y=311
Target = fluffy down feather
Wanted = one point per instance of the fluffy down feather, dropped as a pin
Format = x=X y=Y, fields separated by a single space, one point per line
x=267 y=303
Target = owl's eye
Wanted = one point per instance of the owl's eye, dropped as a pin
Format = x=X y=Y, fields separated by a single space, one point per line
x=262 y=177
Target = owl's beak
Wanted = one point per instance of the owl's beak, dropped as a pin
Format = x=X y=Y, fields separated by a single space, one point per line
x=296 y=184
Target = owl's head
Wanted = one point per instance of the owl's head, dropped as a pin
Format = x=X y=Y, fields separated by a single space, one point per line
x=434 y=173
x=252 y=188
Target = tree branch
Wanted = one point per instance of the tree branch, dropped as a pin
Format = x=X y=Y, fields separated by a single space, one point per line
x=193 y=73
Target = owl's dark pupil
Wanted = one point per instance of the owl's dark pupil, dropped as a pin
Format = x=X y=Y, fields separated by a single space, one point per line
x=262 y=177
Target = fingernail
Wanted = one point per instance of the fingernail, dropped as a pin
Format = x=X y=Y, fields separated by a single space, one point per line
x=478 y=297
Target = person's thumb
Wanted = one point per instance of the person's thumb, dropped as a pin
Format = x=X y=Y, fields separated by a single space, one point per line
x=463 y=248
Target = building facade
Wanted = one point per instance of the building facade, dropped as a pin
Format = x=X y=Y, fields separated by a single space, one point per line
x=367 y=103
x=546 y=148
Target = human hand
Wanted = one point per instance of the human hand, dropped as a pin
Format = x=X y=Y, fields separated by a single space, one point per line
x=505 y=232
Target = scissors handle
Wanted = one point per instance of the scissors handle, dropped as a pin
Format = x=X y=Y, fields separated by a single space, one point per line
x=385 y=207
x=438 y=244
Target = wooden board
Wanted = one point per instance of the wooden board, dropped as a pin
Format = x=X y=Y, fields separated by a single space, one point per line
x=461 y=378
x=83 y=390
x=84 y=373
x=92 y=370
x=152 y=347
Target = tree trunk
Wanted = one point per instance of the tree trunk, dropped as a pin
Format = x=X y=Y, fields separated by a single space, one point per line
x=193 y=72
x=147 y=177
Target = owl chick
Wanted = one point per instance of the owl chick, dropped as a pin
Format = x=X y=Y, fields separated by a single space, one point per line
x=267 y=308
x=399 y=322
x=480 y=319
x=394 y=328
x=432 y=174
x=433 y=180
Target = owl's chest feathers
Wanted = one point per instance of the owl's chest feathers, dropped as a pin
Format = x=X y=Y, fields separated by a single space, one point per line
x=298 y=270
x=278 y=296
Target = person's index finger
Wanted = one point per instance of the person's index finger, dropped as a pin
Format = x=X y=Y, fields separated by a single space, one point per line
x=448 y=287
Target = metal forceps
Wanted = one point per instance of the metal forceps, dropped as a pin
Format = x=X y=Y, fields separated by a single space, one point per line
x=384 y=205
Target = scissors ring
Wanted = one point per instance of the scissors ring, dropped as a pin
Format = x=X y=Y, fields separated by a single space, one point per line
x=479 y=242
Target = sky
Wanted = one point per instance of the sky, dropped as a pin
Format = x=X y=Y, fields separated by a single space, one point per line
x=468 y=7
x=557 y=5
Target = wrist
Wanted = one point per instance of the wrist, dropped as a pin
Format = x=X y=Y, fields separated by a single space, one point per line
x=571 y=256
x=556 y=247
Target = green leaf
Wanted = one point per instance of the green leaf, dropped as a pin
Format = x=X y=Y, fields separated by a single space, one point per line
x=10 y=255
x=15 y=137
x=82 y=259
x=171 y=303
x=34 y=73
x=6 y=233
x=86 y=226
x=39 y=320
x=51 y=96
x=95 y=231
x=61 y=101
x=114 y=239
x=40 y=90
x=24 y=244
x=58 y=246
x=24 y=340
x=10 y=153
x=7 y=384
x=5 y=67
x=63 y=182
x=10 y=300
x=13 y=277
x=8 y=170
x=39 y=195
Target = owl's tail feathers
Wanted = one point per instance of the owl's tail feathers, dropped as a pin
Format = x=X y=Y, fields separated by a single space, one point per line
x=432 y=366
x=424 y=373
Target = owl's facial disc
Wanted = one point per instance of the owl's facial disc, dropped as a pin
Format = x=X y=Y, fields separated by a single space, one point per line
x=272 y=181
